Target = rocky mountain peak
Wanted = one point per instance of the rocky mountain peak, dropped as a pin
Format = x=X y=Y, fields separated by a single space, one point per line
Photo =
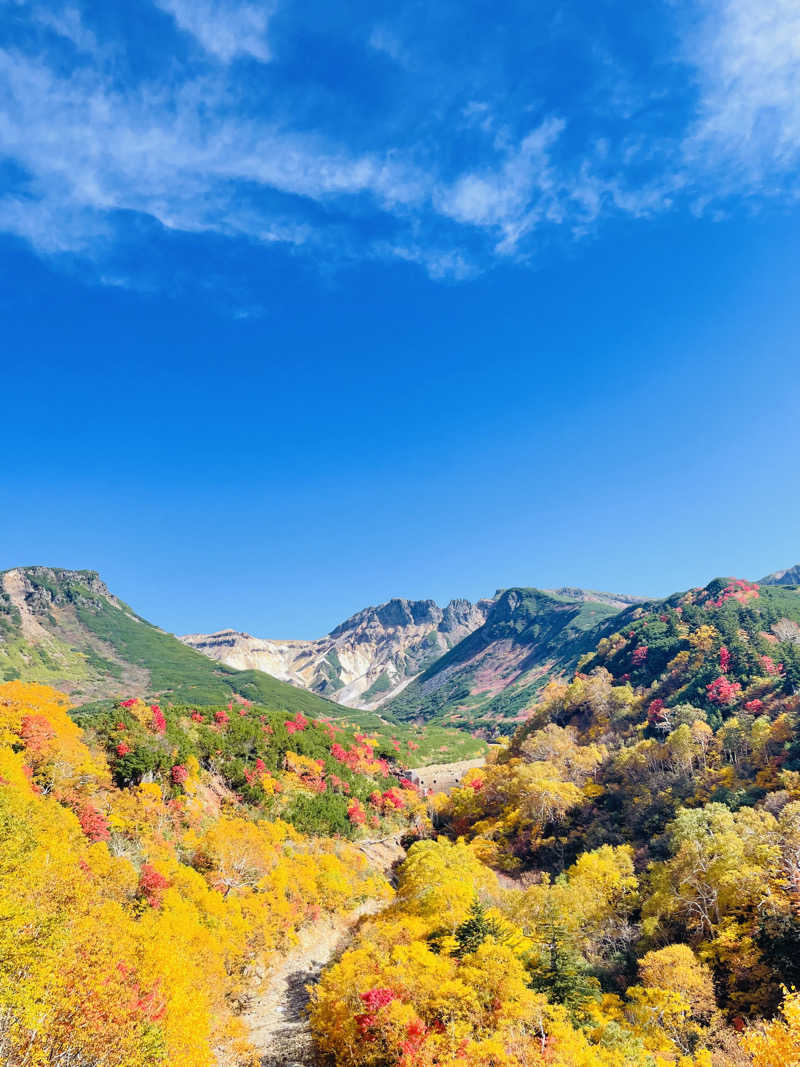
x=791 y=576
x=37 y=589
x=364 y=660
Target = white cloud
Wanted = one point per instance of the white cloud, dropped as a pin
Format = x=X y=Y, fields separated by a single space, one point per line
x=182 y=158
x=747 y=54
x=180 y=151
x=67 y=23
x=383 y=39
x=441 y=265
x=528 y=188
x=225 y=30
x=170 y=155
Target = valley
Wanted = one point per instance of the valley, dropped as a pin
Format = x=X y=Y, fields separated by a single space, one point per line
x=612 y=881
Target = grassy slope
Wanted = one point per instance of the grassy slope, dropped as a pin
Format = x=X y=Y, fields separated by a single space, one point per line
x=99 y=650
x=97 y=647
x=549 y=634
x=179 y=673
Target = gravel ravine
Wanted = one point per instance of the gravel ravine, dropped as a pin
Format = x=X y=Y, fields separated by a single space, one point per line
x=277 y=1019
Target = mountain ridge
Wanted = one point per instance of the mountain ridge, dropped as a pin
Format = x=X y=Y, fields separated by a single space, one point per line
x=370 y=658
x=790 y=576
x=365 y=659
x=530 y=636
x=66 y=628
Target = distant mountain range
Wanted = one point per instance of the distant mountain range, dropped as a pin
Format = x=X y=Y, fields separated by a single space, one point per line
x=492 y=676
x=392 y=655
x=791 y=576
x=477 y=666
x=366 y=660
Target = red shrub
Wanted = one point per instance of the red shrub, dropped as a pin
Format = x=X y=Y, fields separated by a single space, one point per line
x=152 y=885
x=178 y=774
x=93 y=823
x=723 y=691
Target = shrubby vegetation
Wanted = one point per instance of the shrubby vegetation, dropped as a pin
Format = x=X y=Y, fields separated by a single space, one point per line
x=458 y=970
x=648 y=813
x=149 y=868
x=619 y=885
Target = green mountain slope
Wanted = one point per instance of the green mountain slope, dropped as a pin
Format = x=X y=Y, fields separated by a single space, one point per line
x=66 y=629
x=489 y=679
x=707 y=647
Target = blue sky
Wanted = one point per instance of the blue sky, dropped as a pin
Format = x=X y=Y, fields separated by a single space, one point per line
x=310 y=305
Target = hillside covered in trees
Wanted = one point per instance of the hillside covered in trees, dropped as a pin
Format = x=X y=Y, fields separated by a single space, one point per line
x=153 y=863
x=619 y=885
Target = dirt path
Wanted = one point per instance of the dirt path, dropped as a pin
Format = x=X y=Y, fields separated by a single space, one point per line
x=277 y=1019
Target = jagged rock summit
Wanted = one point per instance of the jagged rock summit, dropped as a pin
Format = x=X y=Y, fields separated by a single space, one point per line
x=370 y=658
x=365 y=660
x=791 y=576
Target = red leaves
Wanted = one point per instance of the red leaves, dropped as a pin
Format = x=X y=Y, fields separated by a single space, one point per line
x=196 y=717
x=388 y=800
x=152 y=885
x=159 y=723
x=178 y=774
x=770 y=666
x=36 y=731
x=640 y=655
x=723 y=691
x=122 y=749
x=754 y=705
x=355 y=813
x=297 y=724
x=377 y=998
x=417 y=1032
x=655 y=709
x=738 y=590
x=724 y=659
x=221 y=718
x=365 y=1023
x=393 y=799
x=93 y=824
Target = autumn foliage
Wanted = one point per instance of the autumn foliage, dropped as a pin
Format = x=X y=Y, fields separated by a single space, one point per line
x=132 y=919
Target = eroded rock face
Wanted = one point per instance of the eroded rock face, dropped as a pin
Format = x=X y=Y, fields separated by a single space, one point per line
x=365 y=660
x=791 y=576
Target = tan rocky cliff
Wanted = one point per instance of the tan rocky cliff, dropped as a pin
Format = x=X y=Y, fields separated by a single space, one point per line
x=363 y=662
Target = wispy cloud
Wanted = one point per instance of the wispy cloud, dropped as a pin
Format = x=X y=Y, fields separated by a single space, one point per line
x=747 y=126
x=225 y=30
x=454 y=185
x=513 y=196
